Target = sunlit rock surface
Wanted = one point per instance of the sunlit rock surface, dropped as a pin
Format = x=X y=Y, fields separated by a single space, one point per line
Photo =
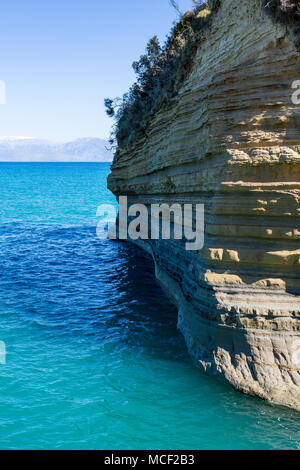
x=231 y=140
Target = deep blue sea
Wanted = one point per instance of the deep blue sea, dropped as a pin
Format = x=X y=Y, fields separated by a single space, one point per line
x=94 y=359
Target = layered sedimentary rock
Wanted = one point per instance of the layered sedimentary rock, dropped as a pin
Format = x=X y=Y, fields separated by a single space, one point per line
x=230 y=140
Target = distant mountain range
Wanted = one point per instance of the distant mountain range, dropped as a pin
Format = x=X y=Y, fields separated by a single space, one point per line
x=26 y=149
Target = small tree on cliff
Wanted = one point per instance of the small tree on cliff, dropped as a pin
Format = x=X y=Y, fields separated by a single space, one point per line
x=159 y=73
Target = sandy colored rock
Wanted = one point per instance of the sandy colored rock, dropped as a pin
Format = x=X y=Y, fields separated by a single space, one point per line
x=231 y=141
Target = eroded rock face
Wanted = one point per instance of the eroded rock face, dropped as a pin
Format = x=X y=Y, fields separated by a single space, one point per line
x=231 y=141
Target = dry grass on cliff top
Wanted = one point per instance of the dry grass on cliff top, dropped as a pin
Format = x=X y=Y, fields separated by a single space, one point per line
x=162 y=70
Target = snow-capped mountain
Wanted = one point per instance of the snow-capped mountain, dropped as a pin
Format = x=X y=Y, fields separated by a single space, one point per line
x=27 y=149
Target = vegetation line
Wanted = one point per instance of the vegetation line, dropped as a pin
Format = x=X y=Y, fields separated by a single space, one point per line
x=162 y=69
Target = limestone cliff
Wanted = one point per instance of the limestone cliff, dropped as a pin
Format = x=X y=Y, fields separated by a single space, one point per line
x=231 y=140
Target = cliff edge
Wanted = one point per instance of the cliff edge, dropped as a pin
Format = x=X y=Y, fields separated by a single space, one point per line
x=230 y=140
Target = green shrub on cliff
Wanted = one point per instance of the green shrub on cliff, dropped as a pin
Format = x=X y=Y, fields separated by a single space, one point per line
x=159 y=71
x=286 y=12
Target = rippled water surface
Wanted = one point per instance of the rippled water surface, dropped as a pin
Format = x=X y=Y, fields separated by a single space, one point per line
x=94 y=359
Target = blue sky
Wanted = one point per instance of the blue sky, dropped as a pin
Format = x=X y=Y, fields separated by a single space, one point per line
x=61 y=58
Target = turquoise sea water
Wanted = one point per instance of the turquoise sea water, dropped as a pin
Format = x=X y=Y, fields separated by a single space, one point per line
x=94 y=359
